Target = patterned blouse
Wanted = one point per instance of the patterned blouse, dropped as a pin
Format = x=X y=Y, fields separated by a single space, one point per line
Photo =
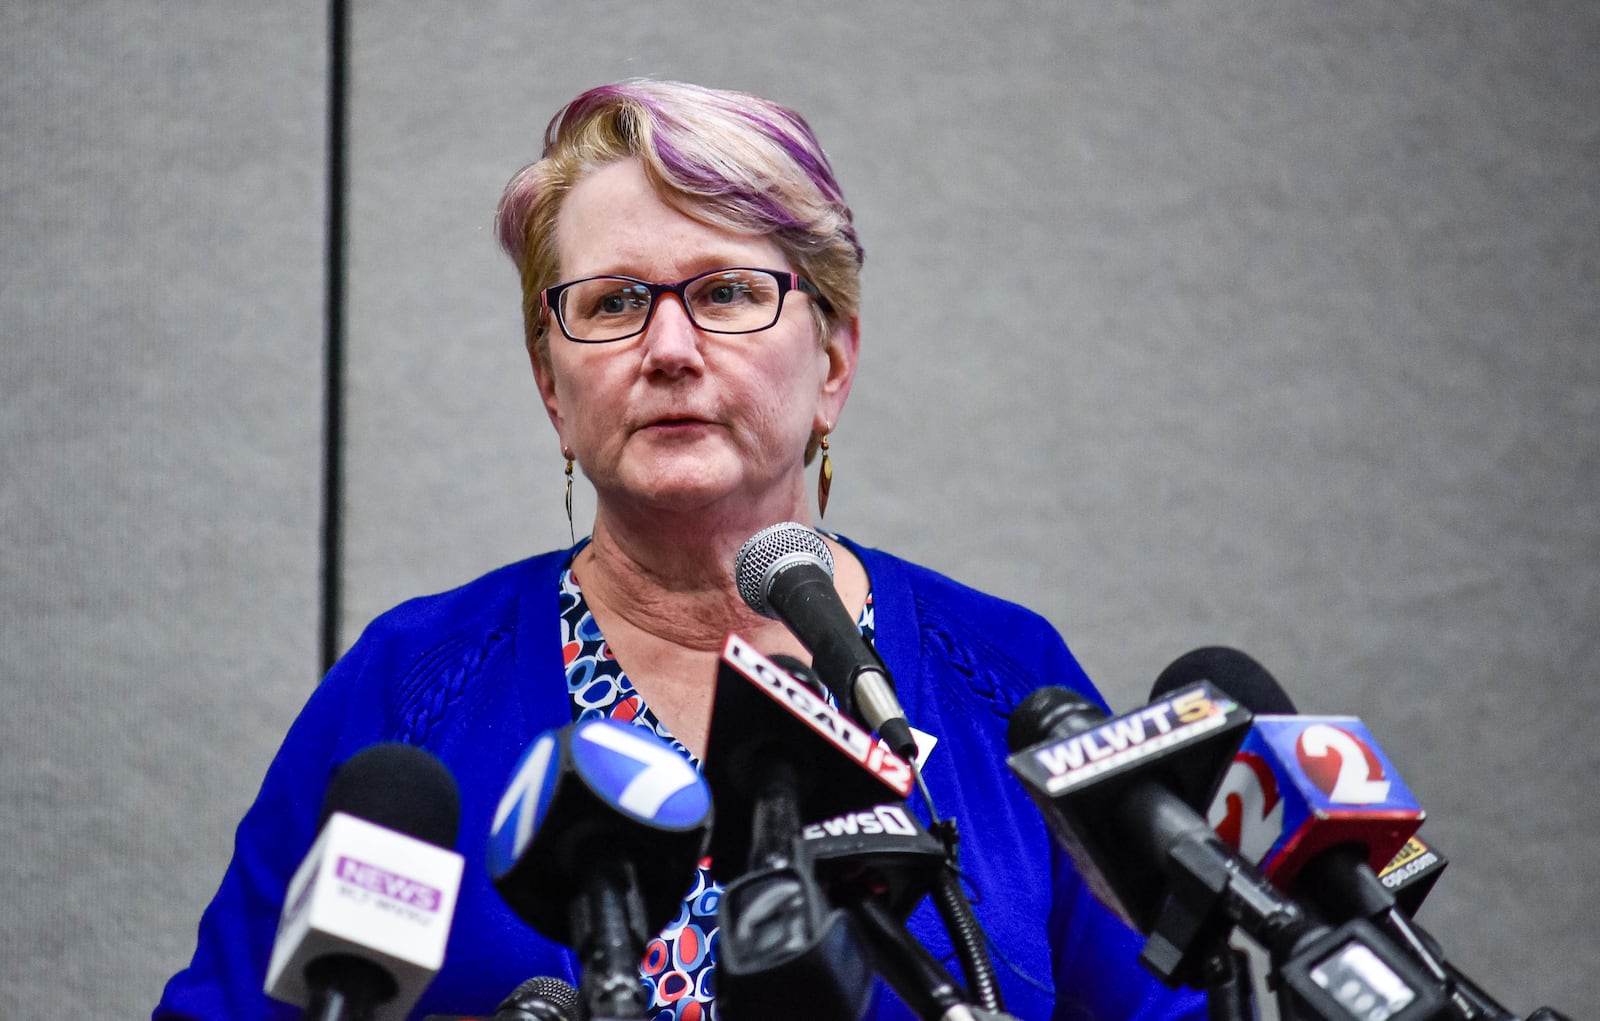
x=679 y=966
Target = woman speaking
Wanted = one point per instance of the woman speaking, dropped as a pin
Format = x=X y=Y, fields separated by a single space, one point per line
x=690 y=284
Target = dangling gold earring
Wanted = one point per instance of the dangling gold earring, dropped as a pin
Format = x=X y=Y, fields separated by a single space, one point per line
x=571 y=528
x=824 y=480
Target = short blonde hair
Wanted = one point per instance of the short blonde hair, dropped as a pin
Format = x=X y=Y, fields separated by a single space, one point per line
x=727 y=159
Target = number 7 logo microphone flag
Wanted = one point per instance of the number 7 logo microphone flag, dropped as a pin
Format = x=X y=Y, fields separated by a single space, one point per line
x=1302 y=784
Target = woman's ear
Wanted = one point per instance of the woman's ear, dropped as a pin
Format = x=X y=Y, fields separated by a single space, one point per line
x=544 y=377
x=842 y=348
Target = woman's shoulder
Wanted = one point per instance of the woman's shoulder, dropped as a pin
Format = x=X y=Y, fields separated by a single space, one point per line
x=417 y=663
x=931 y=589
x=490 y=600
x=962 y=634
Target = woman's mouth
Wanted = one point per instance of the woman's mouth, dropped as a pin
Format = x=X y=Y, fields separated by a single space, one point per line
x=675 y=423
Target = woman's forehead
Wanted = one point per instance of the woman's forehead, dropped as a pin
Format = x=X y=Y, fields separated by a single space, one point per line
x=614 y=221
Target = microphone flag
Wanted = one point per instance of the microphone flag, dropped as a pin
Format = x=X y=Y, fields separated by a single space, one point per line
x=763 y=713
x=1302 y=784
x=365 y=886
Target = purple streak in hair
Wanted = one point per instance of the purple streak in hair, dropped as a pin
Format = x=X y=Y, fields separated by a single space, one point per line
x=785 y=127
x=599 y=96
x=707 y=182
x=804 y=150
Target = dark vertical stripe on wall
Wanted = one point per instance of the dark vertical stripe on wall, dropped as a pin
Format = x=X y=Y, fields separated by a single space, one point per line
x=334 y=316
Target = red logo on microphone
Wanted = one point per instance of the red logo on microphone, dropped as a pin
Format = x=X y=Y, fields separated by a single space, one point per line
x=1247 y=810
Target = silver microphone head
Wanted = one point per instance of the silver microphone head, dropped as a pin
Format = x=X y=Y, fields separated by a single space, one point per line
x=769 y=553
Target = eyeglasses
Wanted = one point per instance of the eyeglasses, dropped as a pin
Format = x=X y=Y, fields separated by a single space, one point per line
x=738 y=299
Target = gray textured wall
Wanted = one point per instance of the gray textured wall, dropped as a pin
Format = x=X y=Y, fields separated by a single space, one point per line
x=1259 y=323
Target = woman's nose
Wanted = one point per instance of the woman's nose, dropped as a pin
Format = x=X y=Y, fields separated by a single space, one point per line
x=672 y=342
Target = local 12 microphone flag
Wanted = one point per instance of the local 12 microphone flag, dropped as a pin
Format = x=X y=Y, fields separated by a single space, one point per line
x=1299 y=785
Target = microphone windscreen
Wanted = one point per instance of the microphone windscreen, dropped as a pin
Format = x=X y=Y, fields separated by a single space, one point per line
x=1039 y=716
x=1231 y=672
x=541 y=999
x=767 y=552
x=399 y=787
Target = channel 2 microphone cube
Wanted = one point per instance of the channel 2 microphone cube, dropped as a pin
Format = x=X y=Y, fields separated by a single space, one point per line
x=1302 y=784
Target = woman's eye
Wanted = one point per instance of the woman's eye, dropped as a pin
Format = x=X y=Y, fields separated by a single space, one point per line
x=617 y=303
x=724 y=290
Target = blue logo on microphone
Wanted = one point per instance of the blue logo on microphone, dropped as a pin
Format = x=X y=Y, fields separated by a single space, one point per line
x=523 y=805
x=640 y=774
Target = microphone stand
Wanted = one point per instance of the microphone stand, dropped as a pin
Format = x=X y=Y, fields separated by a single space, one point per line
x=966 y=936
x=345 y=987
x=1230 y=995
x=912 y=971
x=608 y=928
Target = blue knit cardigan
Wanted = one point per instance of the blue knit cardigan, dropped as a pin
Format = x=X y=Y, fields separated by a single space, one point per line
x=474 y=674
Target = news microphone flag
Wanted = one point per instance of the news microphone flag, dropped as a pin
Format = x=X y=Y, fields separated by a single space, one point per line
x=762 y=713
x=1080 y=765
x=1301 y=784
x=369 y=891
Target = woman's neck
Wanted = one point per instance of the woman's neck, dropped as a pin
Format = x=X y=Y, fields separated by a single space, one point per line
x=673 y=580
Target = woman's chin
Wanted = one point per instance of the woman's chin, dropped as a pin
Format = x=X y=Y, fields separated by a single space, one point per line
x=705 y=488
x=679 y=489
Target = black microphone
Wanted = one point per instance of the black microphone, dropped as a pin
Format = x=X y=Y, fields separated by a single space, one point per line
x=594 y=845
x=785 y=571
x=537 y=999
x=1109 y=790
x=367 y=915
x=1302 y=789
x=541 y=999
x=817 y=863
x=1339 y=807
x=1078 y=765
x=765 y=719
x=1333 y=828
x=778 y=756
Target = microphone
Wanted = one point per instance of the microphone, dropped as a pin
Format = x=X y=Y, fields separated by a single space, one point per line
x=1301 y=788
x=537 y=999
x=1079 y=766
x=594 y=844
x=778 y=756
x=1411 y=873
x=1110 y=791
x=880 y=864
x=1337 y=812
x=1305 y=792
x=541 y=999
x=367 y=915
x=762 y=718
x=785 y=571
x=883 y=854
